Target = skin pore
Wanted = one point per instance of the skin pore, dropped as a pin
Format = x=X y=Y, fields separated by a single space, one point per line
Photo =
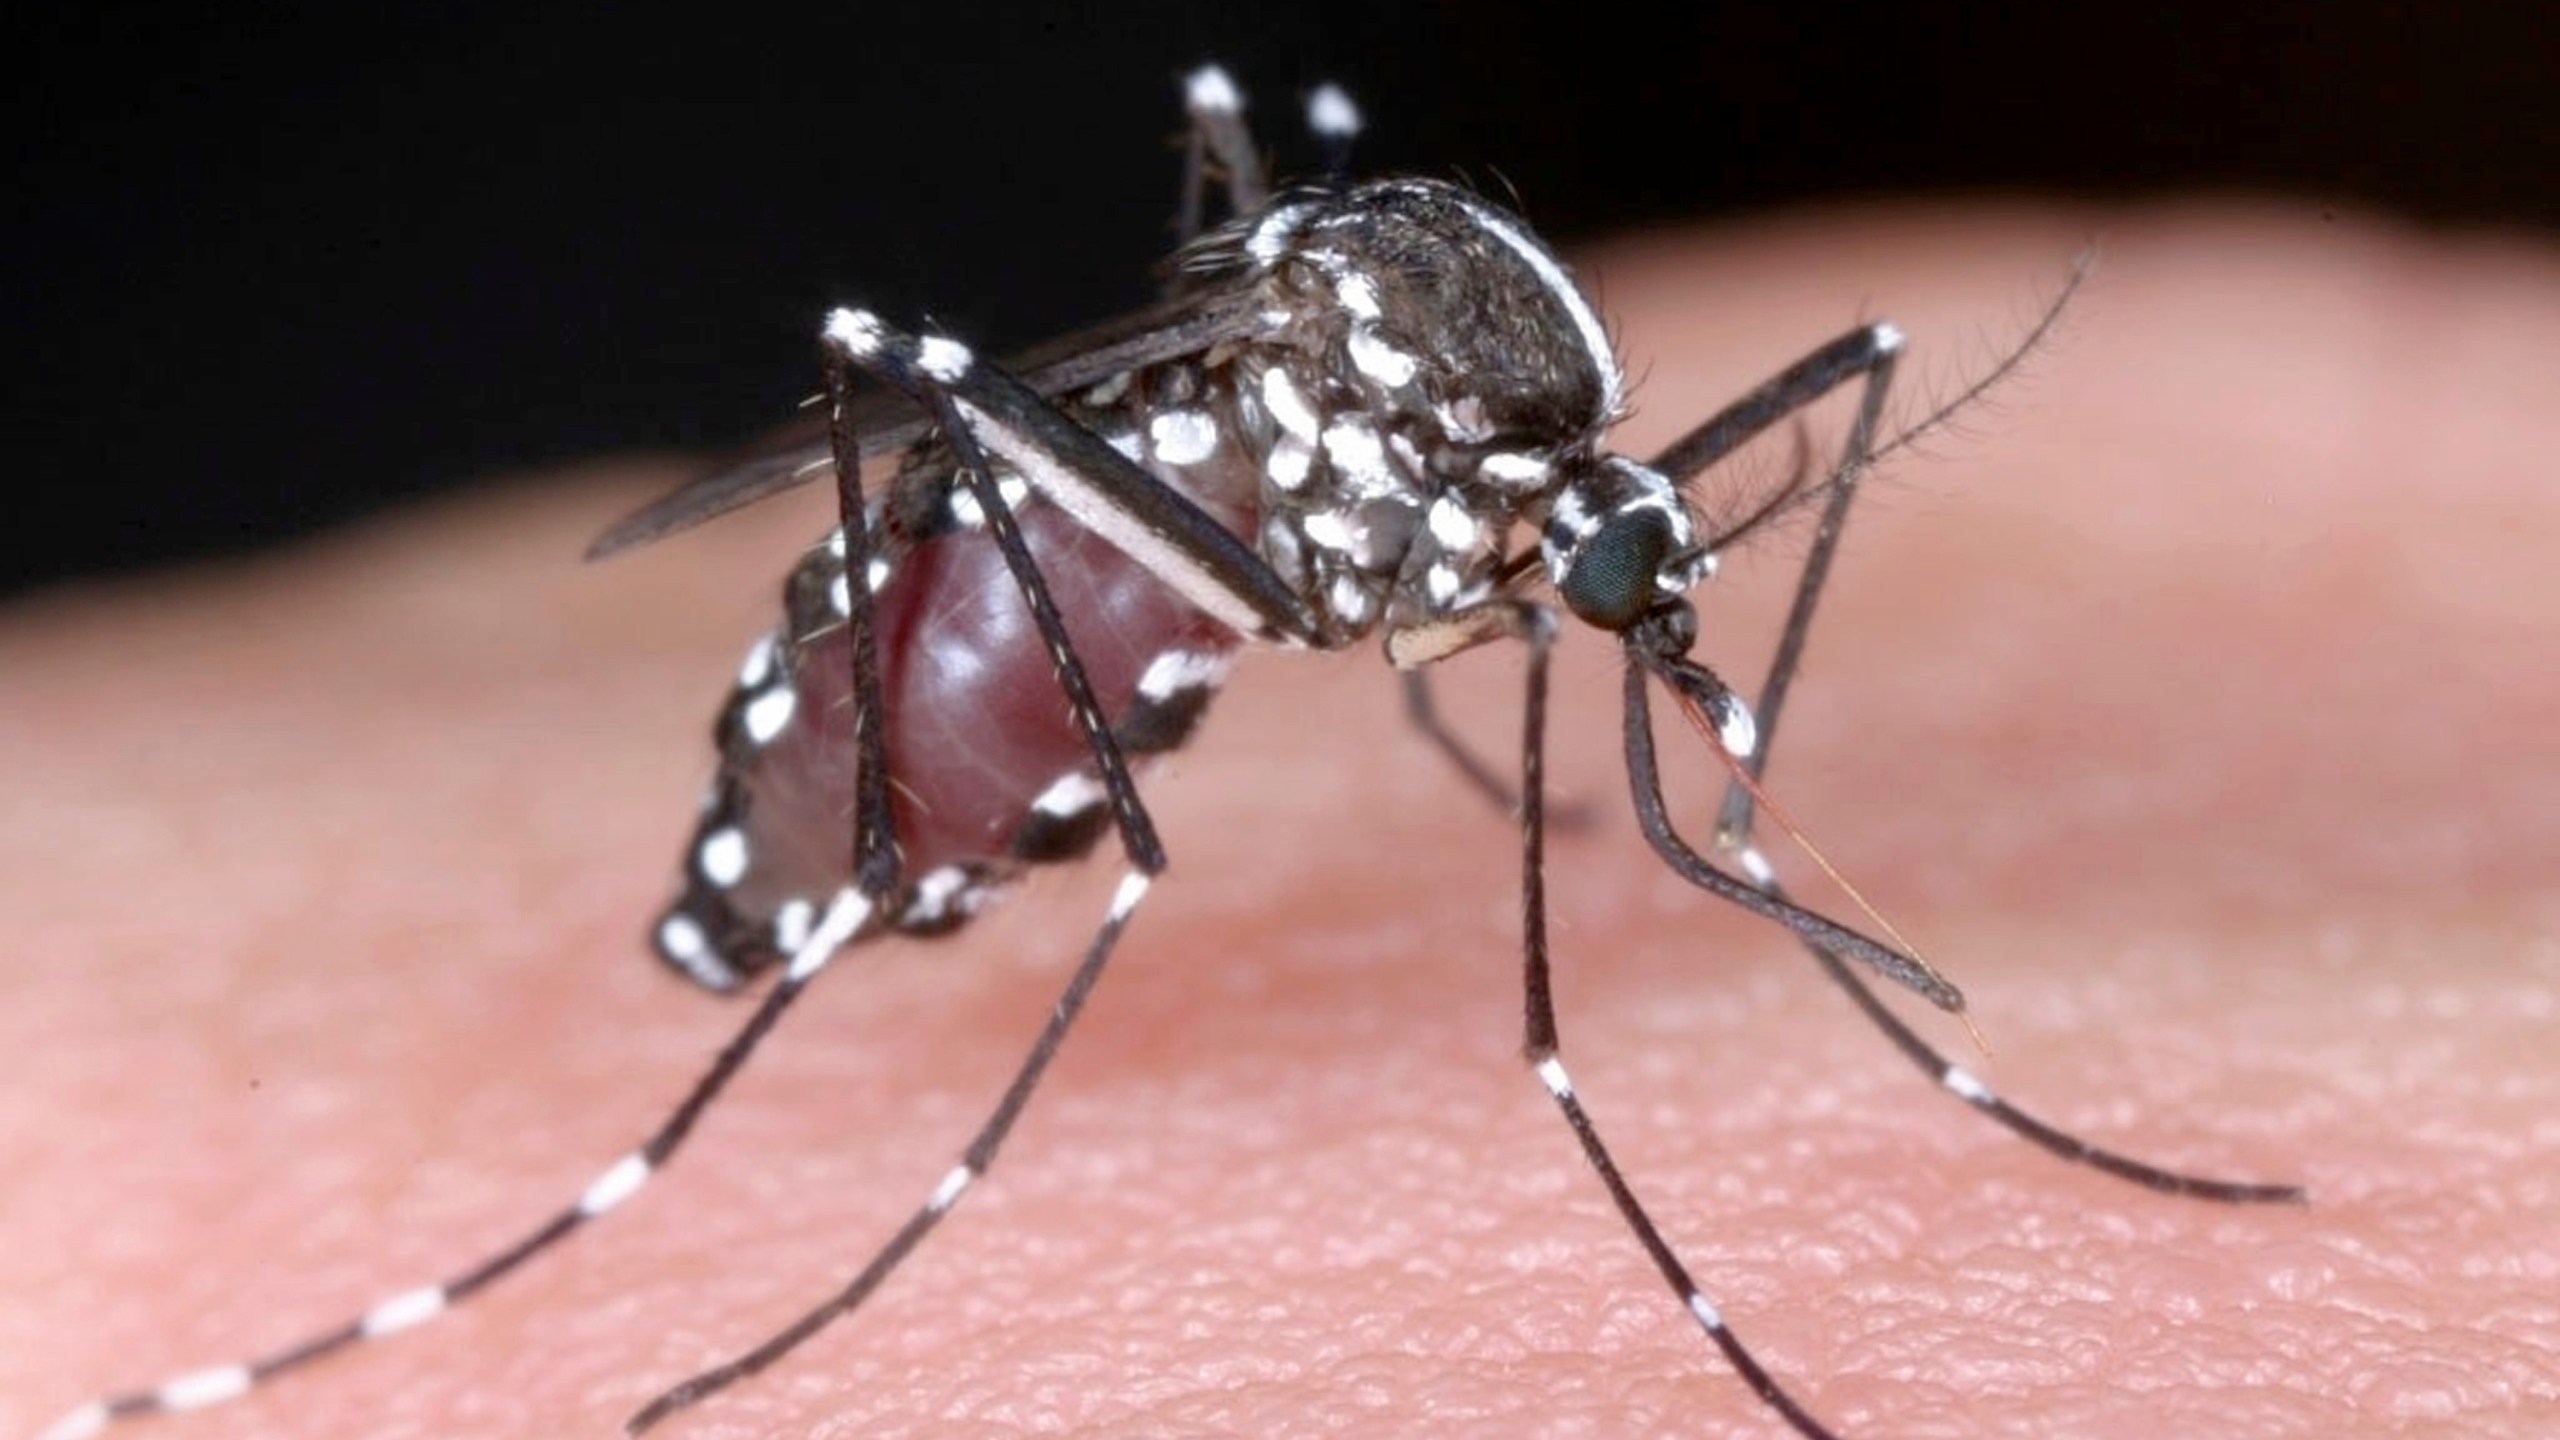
x=2189 y=705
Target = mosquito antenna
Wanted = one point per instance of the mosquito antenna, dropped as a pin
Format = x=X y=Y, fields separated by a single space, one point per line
x=2010 y=364
x=1781 y=499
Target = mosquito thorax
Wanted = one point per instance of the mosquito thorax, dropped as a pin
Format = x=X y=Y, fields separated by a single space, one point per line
x=1425 y=372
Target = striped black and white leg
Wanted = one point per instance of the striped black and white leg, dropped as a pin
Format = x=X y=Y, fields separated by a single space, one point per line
x=846 y=917
x=876 y=862
x=1654 y=815
x=1218 y=139
x=1870 y=351
x=1544 y=1051
x=974 y=1163
x=1867 y=353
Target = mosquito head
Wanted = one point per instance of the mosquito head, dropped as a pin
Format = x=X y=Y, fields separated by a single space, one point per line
x=1622 y=550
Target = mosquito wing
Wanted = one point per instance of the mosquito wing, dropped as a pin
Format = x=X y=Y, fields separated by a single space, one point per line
x=888 y=421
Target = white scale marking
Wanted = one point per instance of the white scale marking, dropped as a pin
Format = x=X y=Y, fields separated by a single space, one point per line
x=947 y=1194
x=1070 y=794
x=878 y=571
x=1967 y=1085
x=1452 y=526
x=1178 y=670
x=856 y=332
x=1183 y=437
x=1464 y=419
x=1109 y=390
x=1100 y=513
x=1705 y=1310
x=935 y=891
x=944 y=358
x=1208 y=90
x=1352 y=444
x=1573 y=514
x=1756 y=866
x=1509 y=469
x=618 y=1183
x=1350 y=600
x=1738 y=731
x=90 y=1419
x=840 y=596
x=1356 y=292
x=1133 y=888
x=199 y=1388
x=1281 y=397
x=769 y=714
x=1380 y=361
x=845 y=915
x=791 y=922
x=1328 y=530
x=1407 y=451
x=759 y=664
x=723 y=856
x=1595 y=337
x=1289 y=462
x=1441 y=584
x=402 y=1311
x=1330 y=112
x=682 y=938
x=1272 y=236
x=1551 y=1074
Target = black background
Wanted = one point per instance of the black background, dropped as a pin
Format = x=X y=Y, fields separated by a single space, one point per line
x=269 y=270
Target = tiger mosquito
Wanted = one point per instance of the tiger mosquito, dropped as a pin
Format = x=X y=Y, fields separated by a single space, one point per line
x=1348 y=399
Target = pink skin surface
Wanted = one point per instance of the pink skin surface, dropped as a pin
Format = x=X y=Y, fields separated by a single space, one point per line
x=2193 y=706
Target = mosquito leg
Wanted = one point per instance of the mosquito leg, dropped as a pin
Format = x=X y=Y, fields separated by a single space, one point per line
x=1869 y=351
x=845 y=919
x=1544 y=1051
x=981 y=409
x=1953 y=1078
x=875 y=841
x=1424 y=716
x=1219 y=138
x=1137 y=828
x=1810 y=926
x=974 y=1162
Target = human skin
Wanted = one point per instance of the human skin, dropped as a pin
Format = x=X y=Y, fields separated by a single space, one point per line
x=2191 y=705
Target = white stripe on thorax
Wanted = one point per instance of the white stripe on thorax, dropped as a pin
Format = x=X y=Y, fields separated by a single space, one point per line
x=1595 y=336
x=1102 y=515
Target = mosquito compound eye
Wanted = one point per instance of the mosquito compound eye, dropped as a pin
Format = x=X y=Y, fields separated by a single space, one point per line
x=1611 y=582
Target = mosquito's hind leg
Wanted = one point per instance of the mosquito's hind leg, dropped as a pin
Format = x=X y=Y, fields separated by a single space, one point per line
x=974 y=1162
x=1218 y=140
x=1543 y=1048
x=846 y=918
